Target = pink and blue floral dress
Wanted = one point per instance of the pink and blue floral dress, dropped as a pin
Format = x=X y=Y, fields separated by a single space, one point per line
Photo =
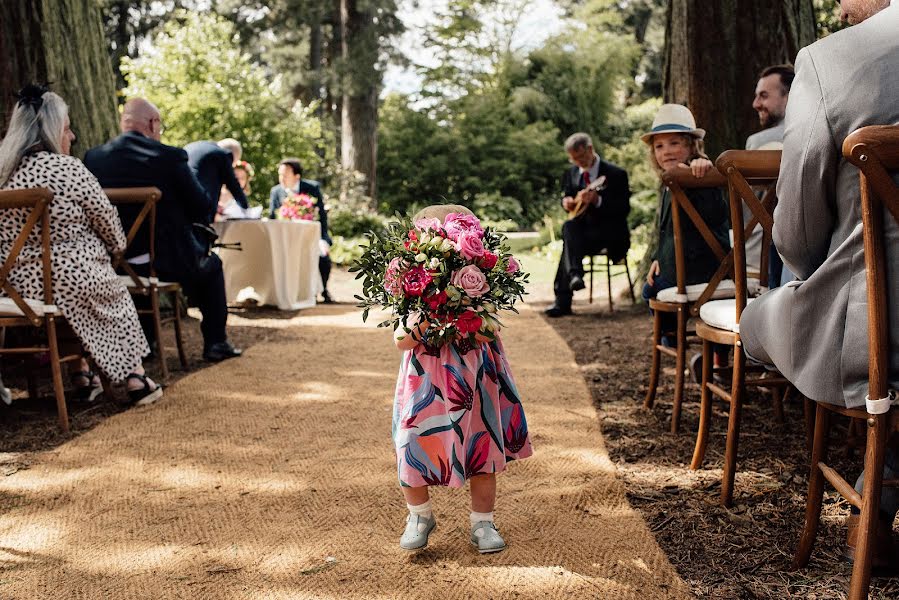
x=456 y=413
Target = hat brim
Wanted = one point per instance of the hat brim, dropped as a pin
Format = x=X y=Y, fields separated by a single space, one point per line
x=697 y=133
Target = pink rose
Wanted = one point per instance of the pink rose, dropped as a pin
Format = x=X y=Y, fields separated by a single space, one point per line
x=433 y=224
x=471 y=280
x=456 y=224
x=488 y=261
x=513 y=265
x=468 y=322
x=416 y=280
x=470 y=245
x=392 y=277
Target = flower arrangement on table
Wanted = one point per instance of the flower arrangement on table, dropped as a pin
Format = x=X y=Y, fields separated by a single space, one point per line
x=455 y=274
x=297 y=207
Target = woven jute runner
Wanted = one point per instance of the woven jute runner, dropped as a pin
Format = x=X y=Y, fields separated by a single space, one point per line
x=273 y=476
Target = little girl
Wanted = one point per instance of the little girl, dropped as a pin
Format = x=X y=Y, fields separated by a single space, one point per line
x=456 y=416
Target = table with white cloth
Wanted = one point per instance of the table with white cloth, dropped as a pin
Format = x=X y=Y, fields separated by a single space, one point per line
x=278 y=265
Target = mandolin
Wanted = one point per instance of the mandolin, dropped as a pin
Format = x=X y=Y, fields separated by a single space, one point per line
x=581 y=207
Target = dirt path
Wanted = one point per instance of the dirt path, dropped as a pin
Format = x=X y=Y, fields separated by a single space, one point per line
x=272 y=476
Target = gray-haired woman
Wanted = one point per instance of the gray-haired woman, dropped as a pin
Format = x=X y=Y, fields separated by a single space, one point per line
x=84 y=230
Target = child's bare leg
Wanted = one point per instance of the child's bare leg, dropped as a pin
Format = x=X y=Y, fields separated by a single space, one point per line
x=483 y=493
x=483 y=498
x=415 y=495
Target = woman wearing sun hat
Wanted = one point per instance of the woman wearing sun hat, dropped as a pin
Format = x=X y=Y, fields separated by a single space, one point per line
x=675 y=141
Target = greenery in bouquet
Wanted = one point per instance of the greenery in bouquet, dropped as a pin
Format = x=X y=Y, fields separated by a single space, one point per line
x=297 y=207
x=456 y=275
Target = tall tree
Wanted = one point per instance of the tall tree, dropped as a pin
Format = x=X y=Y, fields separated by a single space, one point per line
x=37 y=44
x=715 y=50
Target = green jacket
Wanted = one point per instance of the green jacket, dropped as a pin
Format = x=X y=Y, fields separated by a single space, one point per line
x=699 y=259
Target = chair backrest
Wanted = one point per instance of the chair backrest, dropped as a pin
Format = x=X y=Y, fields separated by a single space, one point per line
x=38 y=200
x=146 y=198
x=745 y=169
x=678 y=181
x=875 y=151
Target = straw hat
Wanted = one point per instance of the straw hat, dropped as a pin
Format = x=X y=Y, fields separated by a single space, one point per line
x=673 y=118
x=439 y=211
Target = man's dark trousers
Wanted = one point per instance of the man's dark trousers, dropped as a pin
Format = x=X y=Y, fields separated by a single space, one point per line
x=579 y=240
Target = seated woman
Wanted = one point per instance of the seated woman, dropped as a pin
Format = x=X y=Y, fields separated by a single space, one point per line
x=84 y=230
x=228 y=207
x=676 y=142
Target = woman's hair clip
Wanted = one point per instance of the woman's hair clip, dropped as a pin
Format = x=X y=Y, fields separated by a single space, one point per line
x=32 y=95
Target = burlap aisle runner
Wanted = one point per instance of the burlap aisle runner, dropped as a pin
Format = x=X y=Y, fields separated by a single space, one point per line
x=273 y=476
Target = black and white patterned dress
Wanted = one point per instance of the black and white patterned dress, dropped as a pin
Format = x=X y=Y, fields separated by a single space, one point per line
x=84 y=229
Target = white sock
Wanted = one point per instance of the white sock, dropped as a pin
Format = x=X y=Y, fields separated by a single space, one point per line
x=477 y=517
x=421 y=510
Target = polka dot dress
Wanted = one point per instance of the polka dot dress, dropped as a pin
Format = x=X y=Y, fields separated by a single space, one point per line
x=84 y=230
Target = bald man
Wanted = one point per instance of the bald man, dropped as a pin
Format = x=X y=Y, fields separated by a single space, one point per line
x=137 y=158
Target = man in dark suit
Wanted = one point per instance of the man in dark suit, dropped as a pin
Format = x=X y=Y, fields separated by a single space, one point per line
x=290 y=176
x=137 y=158
x=212 y=163
x=601 y=228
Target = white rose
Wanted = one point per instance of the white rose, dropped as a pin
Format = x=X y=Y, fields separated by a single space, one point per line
x=420 y=257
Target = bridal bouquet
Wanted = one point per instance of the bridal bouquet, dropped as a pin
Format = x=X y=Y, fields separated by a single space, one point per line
x=455 y=274
x=297 y=207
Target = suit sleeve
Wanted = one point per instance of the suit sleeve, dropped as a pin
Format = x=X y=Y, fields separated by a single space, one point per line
x=196 y=201
x=616 y=198
x=231 y=182
x=806 y=210
x=568 y=188
x=322 y=213
x=273 y=203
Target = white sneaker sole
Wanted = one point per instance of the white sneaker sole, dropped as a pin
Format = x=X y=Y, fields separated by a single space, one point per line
x=150 y=398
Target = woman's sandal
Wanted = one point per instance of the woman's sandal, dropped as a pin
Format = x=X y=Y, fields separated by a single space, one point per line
x=89 y=392
x=145 y=395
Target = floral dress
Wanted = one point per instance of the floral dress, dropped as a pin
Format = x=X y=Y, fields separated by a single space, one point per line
x=456 y=413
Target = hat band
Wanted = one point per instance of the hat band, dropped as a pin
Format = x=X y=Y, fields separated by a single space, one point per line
x=670 y=126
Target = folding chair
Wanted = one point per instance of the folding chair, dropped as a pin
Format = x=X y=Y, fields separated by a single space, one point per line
x=720 y=319
x=606 y=268
x=682 y=298
x=147 y=198
x=18 y=311
x=875 y=151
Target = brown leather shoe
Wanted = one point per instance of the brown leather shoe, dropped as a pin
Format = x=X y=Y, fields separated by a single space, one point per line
x=882 y=558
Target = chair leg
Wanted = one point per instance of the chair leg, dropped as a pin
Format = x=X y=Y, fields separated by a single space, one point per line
x=157 y=326
x=656 y=358
x=590 y=295
x=808 y=407
x=680 y=366
x=733 y=427
x=609 y=282
x=705 y=411
x=630 y=284
x=56 y=370
x=815 y=489
x=867 y=524
x=179 y=339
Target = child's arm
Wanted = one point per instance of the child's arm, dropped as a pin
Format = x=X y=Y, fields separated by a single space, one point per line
x=407 y=341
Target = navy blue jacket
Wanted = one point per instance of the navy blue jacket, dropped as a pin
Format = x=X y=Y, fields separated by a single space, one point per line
x=609 y=220
x=133 y=160
x=307 y=186
x=214 y=168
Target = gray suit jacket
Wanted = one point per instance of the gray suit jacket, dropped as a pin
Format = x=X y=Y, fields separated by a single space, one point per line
x=815 y=330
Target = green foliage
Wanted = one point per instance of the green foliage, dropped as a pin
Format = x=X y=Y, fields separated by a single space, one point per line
x=492 y=206
x=827 y=17
x=207 y=88
x=347 y=250
x=349 y=223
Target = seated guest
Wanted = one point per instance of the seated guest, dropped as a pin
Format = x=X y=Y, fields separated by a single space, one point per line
x=814 y=330
x=228 y=206
x=212 y=164
x=601 y=226
x=676 y=142
x=137 y=158
x=290 y=177
x=84 y=230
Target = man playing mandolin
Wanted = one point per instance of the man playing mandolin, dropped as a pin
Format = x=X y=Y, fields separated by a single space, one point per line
x=597 y=198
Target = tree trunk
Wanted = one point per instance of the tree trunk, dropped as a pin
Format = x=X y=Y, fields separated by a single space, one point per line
x=360 y=83
x=714 y=52
x=60 y=42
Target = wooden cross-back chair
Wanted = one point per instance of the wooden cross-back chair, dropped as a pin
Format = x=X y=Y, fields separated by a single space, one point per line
x=681 y=299
x=150 y=287
x=875 y=151
x=41 y=314
x=720 y=319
